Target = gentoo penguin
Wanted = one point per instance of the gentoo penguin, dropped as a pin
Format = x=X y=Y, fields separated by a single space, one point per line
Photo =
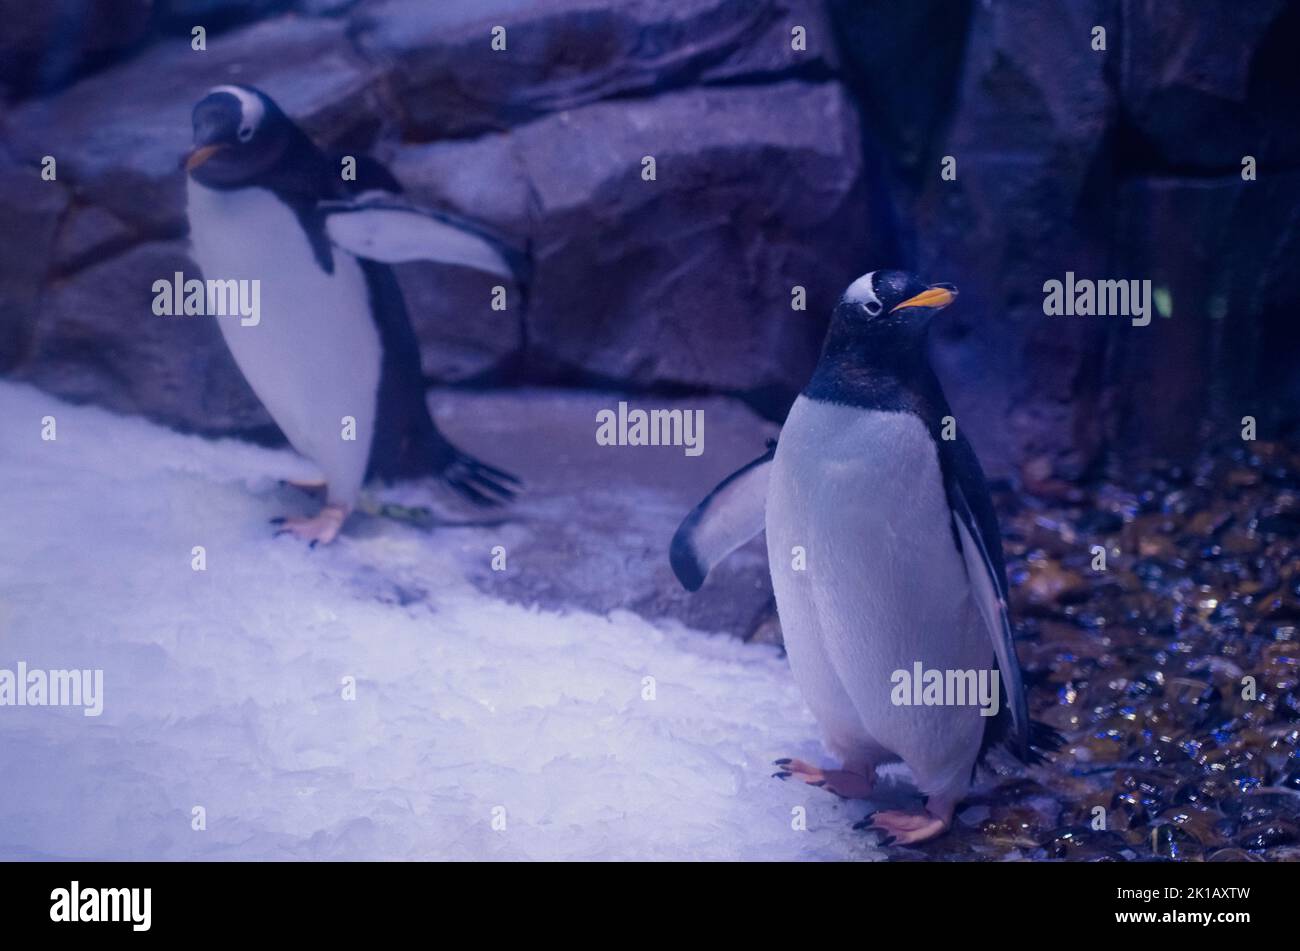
x=333 y=341
x=884 y=552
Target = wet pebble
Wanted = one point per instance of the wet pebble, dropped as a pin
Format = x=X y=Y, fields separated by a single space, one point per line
x=1173 y=671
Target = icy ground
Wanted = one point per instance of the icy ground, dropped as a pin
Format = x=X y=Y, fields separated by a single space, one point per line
x=223 y=688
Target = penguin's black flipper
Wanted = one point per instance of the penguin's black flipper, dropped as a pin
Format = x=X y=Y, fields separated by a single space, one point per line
x=976 y=529
x=375 y=186
x=381 y=227
x=407 y=443
x=729 y=516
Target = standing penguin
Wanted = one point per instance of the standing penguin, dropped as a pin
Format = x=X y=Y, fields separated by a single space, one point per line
x=333 y=343
x=902 y=558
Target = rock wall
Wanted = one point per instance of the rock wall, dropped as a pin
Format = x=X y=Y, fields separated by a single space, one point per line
x=775 y=167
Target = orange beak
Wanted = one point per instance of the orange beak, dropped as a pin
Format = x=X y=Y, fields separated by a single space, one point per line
x=937 y=296
x=201 y=155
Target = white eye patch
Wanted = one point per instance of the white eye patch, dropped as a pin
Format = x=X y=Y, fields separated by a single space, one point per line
x=251 y=110
x=862 y=292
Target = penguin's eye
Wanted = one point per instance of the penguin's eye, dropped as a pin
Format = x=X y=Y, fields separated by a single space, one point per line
x=245 y=133
x=873 y=308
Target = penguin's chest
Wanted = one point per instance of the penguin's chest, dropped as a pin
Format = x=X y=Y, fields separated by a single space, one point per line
x=314 y=356
x=865 y=568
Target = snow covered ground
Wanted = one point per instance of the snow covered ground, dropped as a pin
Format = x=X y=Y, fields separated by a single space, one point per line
x=224 y=689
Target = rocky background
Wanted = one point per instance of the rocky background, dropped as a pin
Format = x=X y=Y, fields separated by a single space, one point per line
x=776 y=167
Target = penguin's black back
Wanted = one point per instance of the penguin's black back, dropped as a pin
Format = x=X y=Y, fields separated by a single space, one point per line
x=406 y=443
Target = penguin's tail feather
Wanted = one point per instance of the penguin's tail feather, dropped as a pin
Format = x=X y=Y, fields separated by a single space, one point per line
x=1042 y=739
x=480 y=483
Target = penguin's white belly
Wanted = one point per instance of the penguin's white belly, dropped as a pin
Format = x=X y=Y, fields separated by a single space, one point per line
x=314 y=357
x=861 y=492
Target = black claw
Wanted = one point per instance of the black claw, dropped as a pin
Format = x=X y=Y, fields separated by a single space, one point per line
x=278 y=520
x=314 y=543
x=781 y=776
x=887 y=840
x=784 y=761
x=820 y=783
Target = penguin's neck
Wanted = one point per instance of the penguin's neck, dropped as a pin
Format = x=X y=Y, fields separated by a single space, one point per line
x=302 y=177
x=880 y=372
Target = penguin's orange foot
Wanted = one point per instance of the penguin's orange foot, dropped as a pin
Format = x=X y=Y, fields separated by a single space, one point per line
x=842 y=782
x=906 y=828
x=319 y=530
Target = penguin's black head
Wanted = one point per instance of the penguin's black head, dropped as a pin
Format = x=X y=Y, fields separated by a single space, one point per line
x=882 y=319
x=239 y=133
x=875 y=350
x=892 y=302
